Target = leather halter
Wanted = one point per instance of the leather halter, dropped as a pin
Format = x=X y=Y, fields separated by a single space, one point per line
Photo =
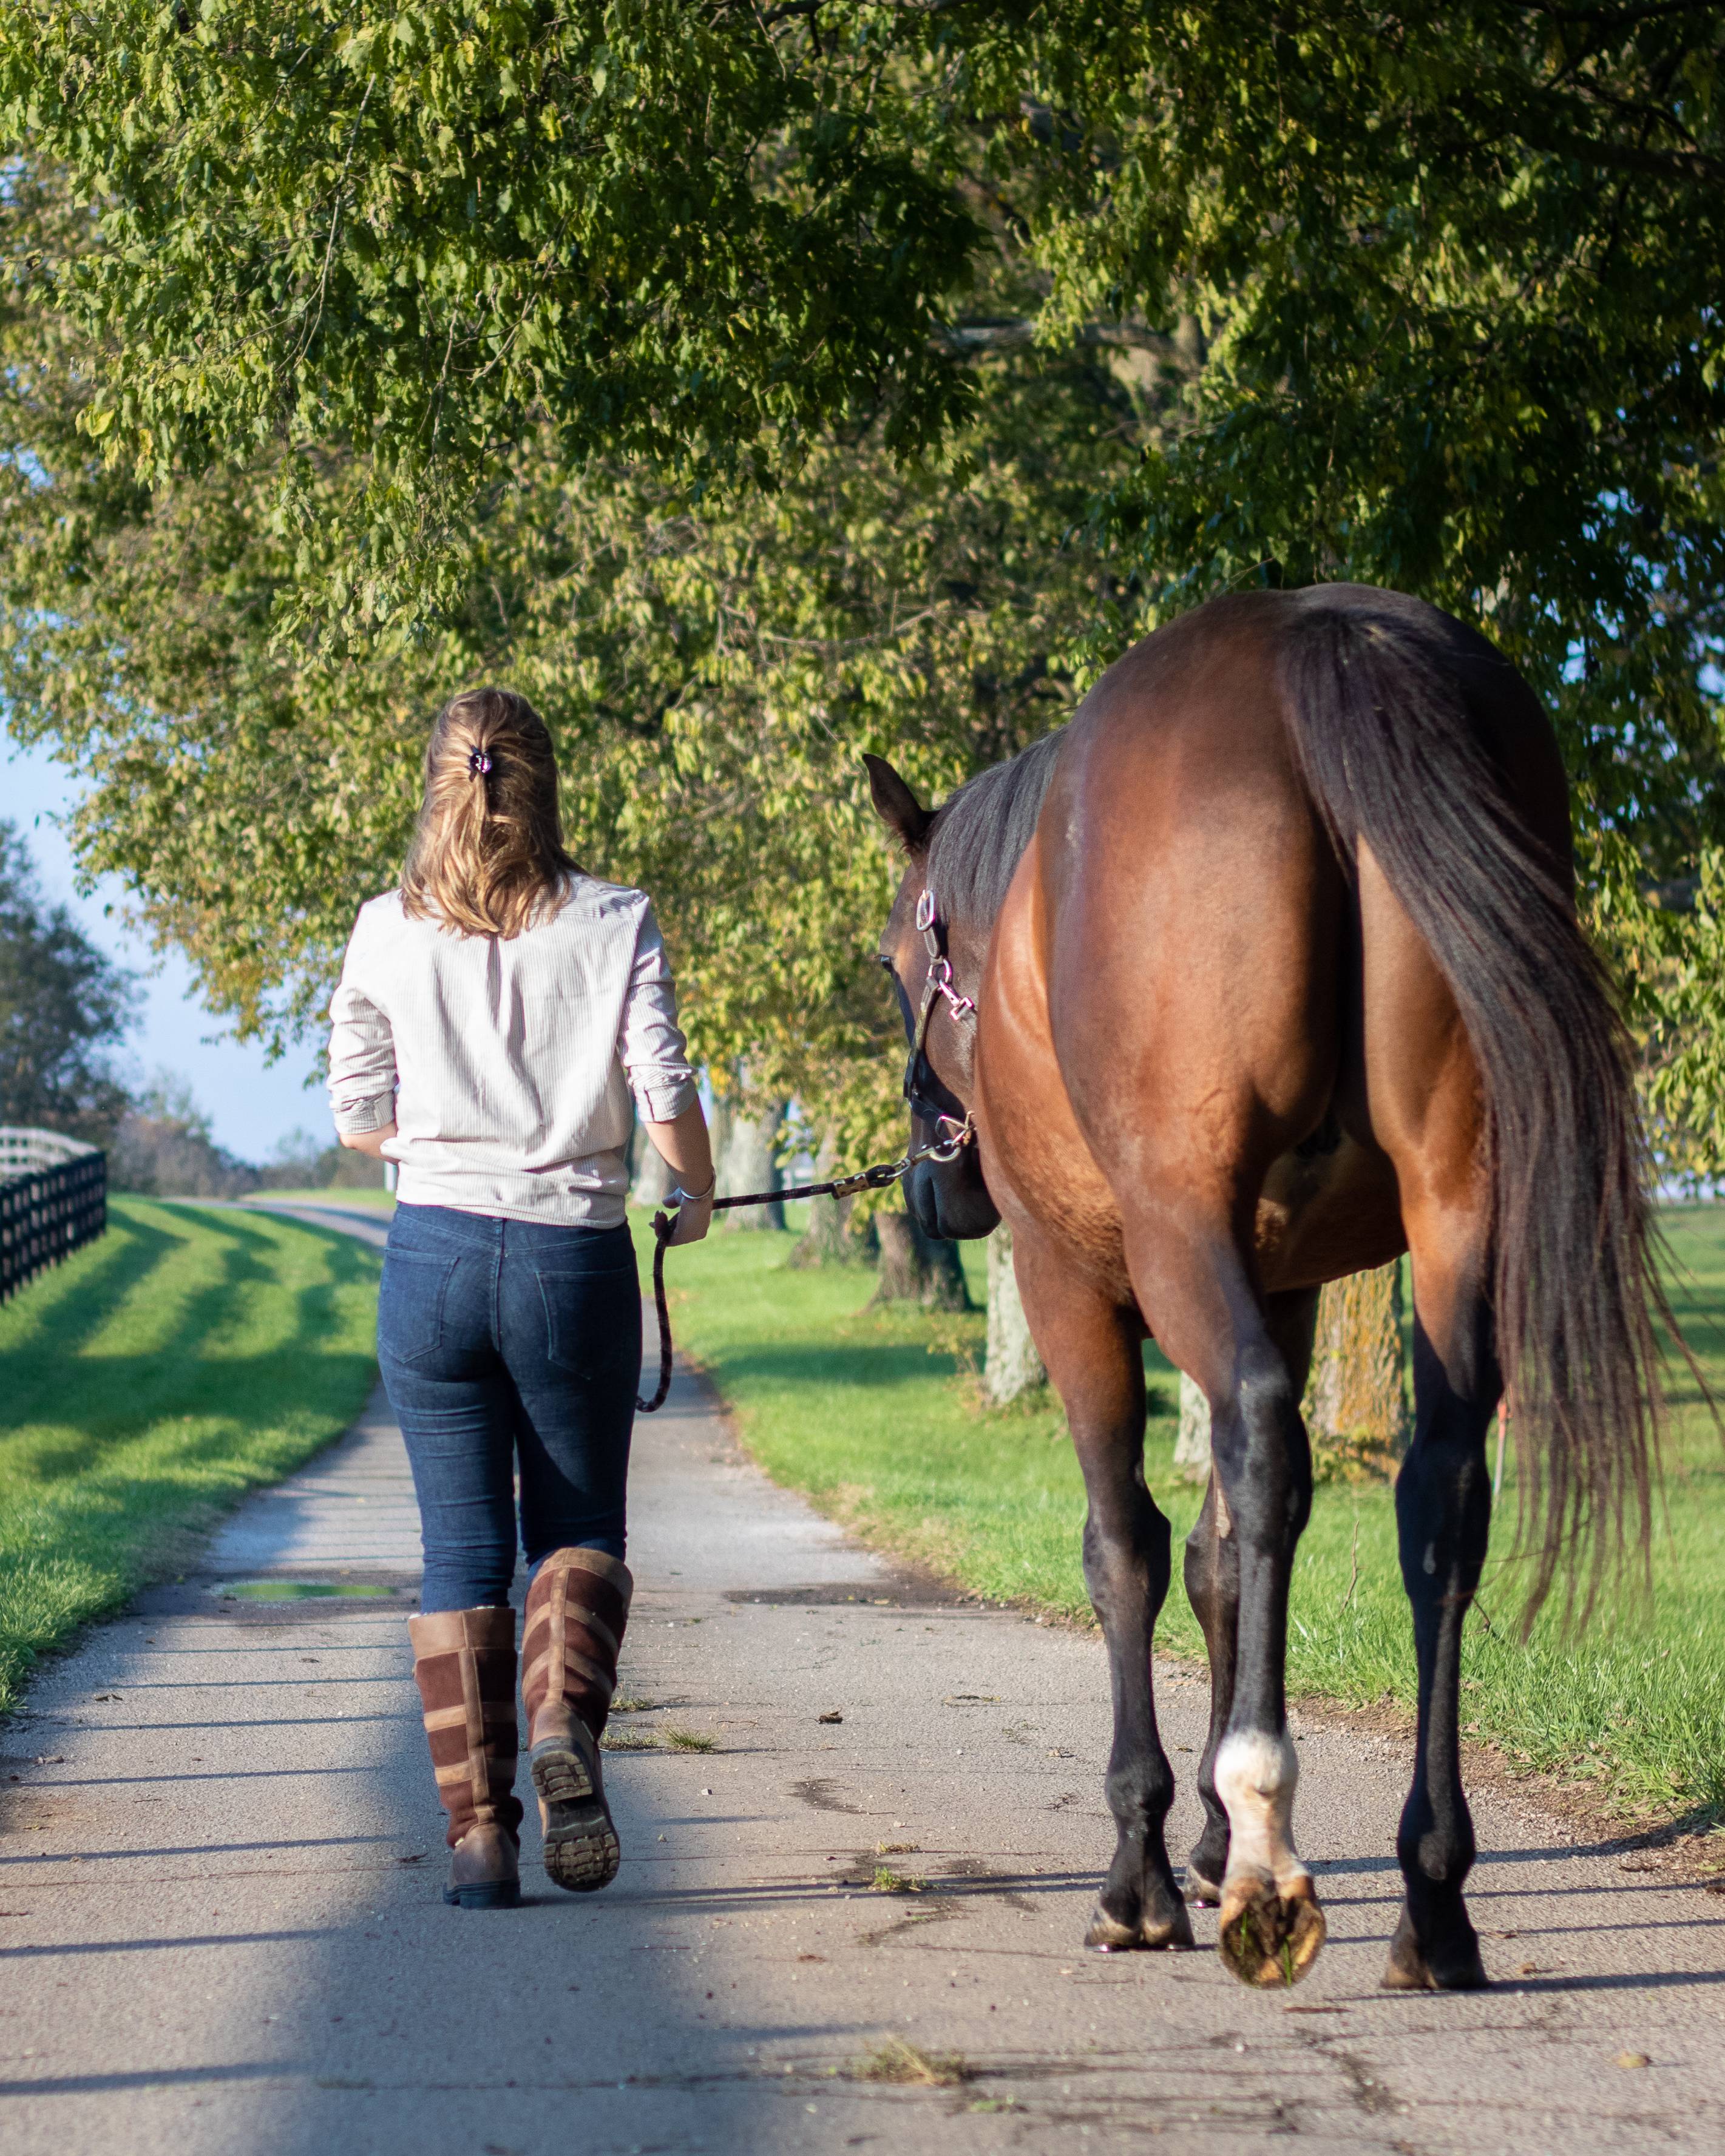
x=921 y=1079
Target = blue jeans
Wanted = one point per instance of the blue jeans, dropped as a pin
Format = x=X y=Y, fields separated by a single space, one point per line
x=506 y=1342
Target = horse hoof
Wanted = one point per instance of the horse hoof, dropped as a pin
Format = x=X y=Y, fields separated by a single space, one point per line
x=1108 y=1935
x=1153 y=1933
x=1269 y=1937
x=1206 y=1868
x=1172 y=1933
x=1455 y=1966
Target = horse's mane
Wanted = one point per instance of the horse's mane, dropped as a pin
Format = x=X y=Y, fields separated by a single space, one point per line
x=978 y=837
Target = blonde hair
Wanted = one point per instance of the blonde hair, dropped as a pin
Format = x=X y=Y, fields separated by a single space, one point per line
x=488 y=853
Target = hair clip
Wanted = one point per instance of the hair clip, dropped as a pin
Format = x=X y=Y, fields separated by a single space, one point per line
x=478 y=764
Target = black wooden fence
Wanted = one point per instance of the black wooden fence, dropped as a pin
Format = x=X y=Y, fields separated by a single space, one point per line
x=54 y=1197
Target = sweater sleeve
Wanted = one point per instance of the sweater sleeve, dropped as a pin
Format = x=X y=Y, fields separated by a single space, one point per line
x=650 y=1044
x=361 y=1080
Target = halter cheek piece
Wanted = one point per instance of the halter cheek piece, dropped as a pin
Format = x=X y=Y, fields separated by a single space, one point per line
x=921 y=1080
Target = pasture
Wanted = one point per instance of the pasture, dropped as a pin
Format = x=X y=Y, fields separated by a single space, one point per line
x=188 y=1356
x=877 y=1415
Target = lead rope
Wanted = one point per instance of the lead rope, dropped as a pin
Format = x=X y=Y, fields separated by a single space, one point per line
x=880 y=1176
x=937 y=988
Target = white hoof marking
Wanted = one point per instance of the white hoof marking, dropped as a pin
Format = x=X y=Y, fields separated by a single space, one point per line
x=1256 y=1776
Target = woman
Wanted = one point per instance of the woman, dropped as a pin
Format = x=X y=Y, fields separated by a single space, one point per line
x=494 y=1017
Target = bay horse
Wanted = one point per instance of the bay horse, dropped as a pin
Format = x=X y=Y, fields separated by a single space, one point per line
x=1261 y=971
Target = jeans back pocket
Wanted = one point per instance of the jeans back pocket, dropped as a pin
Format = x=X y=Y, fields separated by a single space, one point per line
x=592 y=1319
x=410 y=1304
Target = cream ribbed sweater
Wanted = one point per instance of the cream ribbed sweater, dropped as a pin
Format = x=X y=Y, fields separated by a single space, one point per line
x=508 y=1065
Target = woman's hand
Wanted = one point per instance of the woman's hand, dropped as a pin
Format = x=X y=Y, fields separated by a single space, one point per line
x=683 y=1147
x=368 y=1141
x=693 y=1216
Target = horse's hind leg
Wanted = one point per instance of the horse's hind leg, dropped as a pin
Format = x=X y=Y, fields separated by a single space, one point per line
x=1443 y=1508
x=1425 y=1114
x=1213 y=1589
x=1194 y=1286
x=1094 y=1352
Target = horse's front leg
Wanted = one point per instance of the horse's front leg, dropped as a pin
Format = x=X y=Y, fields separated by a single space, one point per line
x=1094 y=1351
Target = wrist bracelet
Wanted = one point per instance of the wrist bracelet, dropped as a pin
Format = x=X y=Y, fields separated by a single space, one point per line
x=686 y=1197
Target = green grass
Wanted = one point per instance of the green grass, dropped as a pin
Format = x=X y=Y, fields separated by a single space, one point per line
x=188 y=1356
x=875 y=1415
x=380 y=1201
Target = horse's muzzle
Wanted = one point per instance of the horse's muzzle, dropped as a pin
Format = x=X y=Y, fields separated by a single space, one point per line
x=949 y=1199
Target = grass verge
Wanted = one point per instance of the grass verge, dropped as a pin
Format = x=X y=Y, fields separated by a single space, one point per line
x=875 y=1415
x=187 y=1356
x=354 y=1200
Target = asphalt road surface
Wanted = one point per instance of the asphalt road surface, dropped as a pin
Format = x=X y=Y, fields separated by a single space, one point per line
x=220 y=1858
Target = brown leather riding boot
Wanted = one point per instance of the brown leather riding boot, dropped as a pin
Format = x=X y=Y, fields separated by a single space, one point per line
x=464 y=1664
x=576 y=1608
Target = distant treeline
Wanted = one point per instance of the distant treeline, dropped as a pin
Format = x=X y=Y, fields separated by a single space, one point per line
x=162 y=1148
x=66 y=1008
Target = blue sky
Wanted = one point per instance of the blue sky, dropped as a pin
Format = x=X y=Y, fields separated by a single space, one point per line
x=252 y=1104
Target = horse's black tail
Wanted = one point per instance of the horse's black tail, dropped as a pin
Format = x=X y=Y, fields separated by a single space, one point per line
x=1393 y=753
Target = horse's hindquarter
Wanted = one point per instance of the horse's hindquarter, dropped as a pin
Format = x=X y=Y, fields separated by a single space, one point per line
x=1040 y=1168
x=1166 y=1009
x=1209 y=1065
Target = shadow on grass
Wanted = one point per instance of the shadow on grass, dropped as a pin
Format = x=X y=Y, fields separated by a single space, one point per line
x=880 y=1365
x=82 y=1297
x=108 y=1460
x=113 y=1399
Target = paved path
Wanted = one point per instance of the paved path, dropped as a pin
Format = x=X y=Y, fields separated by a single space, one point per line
x=262 y=1966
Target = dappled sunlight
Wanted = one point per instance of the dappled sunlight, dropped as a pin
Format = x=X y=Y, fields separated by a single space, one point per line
x=74 y=1302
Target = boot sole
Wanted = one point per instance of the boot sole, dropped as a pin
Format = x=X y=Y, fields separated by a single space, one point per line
x=498 y=1894
x=581 y=1852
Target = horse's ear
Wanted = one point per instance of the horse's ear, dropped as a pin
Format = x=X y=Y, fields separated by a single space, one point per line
x=896 y=806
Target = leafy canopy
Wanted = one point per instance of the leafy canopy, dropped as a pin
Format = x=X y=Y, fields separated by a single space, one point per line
x=1425 y=295
x=426 y=231
x=713 y=671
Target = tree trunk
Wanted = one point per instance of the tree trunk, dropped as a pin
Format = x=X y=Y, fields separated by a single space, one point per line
x=916 y=1268
x=827 y=1240
x=750 y=1163
x=1192 y=1447
x=1356 y=1403
x=1012 y=1367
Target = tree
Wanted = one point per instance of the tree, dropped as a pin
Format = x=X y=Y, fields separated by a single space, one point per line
x=1356 y=1403
x=326 y=393
x=421 y=232
x=1012 y=1368
x=746 y=1137
x=63 y=1007
x=712 y=671
x=164 y=1148
x=917 y=1268
x=1424 y=294
x=1455 y=269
